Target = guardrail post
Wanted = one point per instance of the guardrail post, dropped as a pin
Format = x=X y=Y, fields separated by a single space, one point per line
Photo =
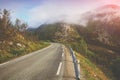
x=78 y=63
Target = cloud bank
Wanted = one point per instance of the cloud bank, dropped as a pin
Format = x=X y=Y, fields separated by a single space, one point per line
x=49 y=12
x=66 y=10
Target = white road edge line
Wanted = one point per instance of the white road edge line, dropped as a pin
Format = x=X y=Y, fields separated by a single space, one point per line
x=59 y=68
x=62 y=54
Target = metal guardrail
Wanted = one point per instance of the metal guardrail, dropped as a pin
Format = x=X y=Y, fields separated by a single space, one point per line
x=76 y=64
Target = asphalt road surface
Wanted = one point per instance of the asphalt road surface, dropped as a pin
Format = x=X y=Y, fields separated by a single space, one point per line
x=39 y=65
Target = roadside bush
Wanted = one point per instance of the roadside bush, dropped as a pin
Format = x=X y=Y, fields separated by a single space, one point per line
x=17 y=51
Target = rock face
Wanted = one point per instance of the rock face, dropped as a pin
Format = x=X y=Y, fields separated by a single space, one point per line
x=103 y=37
x=69 y=33
x=58 y=32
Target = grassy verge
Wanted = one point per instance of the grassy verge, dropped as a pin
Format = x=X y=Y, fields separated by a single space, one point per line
x=90 y=70
x=14 y=51
x=102 y=57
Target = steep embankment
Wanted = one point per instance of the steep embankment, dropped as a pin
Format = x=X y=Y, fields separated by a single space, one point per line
x=90 y=71
x=18 y=46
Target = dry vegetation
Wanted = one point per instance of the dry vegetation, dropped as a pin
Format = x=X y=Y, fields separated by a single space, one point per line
x=90 y=70
x=14 y=40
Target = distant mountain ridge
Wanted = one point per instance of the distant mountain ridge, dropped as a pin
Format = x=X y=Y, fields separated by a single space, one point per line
x=59 y=32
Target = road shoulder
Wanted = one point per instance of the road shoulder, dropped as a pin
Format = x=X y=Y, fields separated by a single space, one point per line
x=69 y=72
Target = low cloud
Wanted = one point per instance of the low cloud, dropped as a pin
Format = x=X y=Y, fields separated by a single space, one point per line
x=50 y=12
x=64 y=10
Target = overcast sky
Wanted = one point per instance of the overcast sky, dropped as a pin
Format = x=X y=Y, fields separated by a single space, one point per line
x=36 y=12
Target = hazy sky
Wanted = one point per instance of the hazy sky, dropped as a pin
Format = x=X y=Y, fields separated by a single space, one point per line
x=36 y=12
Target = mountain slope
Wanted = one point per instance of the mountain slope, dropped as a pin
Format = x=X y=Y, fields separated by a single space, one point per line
x=60 y=32
x=103 y=24
x=90 y=71
x=102 y=36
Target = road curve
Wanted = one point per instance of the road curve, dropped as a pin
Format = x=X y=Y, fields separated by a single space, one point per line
x=39 y=65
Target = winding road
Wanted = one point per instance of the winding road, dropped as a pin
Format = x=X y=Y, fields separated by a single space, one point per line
x=45 y=64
